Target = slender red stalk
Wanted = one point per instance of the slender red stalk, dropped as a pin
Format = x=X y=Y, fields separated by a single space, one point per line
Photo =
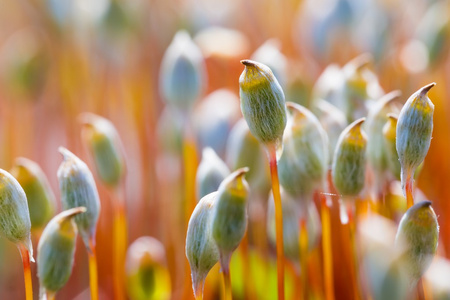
x=303 y=246
x=120 y=245
x=26 y=272
x=278 y=220
x=409 y=191
x=326 y=246
x=93 y=274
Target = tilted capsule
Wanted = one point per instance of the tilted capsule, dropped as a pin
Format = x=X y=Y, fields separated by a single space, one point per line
x=41 y=200
x=78 y=188
x=56 y=251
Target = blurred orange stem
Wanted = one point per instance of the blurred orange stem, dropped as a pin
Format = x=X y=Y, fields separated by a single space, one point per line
x=93 y=274
x=278 y=219
x=26 y=272
x=353 y=253
x=227 y=283
x=409 y=191
x=303 y=246
x=120 y=245
x=327 y=253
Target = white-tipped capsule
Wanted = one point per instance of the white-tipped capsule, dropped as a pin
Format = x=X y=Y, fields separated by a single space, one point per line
x=414 y=129
x=78 y=188
x=210 y=173
x=56 y=251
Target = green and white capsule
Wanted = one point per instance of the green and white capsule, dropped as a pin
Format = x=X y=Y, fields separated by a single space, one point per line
x=56 y=251
x=377 y=118
x=303 y=164
x=147 y=275
x=262 y=103
x=201 y=250
x=41 y=200
x=389 y=142
x=183 y=73
x=417 y=236
x=104 y=145
x=211 y=171
x=414 y=129
x=229 y=220
x=244 y=150
x=349 y=162
x=78 y=188
x=15 y=222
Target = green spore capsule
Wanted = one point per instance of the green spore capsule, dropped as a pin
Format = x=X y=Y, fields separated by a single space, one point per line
x=183 y=72
x=262 y=103
x=15 y=222
x=417 y=235
x=304 y=162
x=229 y=221
x=349 y=162
x=147 y=275
x=56 y=251
x=389 y=142
x=244 y=150
x=41 y=200
x=210 y=173
x=104 y=146
x=376 y=150
x=78 y=188
x=201 y=250
x=414 y=129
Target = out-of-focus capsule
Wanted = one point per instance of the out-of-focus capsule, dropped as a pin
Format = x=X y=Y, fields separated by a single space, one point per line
x=303 y=164
x=210 y=173
x=389 y=138
x=262 y=103
x=349 y=162
x=104 y=146
x=147 y=275
x=293 y=212
x=41 y=200
x=418 y=235
x=213 y=119
x=56 y=251
x=182 y=74
x=269 y=54
x=78 y=188
x=377 y=153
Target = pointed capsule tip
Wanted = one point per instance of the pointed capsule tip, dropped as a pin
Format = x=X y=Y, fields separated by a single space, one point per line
x=64 y=152
x=358 y=122
x=242 y=171
x=424 y=204
x=392 y=116
x=248 y=63
x=424 y=90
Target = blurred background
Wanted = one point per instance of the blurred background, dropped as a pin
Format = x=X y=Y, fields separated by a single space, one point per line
x=61 y=58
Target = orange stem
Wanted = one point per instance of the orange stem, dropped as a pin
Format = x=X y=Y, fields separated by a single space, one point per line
x=93 y=274
x=278 y=221
x=303 y=246
x=327 y=253
x=409 y=191
x=26 y=272
x=120 y=245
